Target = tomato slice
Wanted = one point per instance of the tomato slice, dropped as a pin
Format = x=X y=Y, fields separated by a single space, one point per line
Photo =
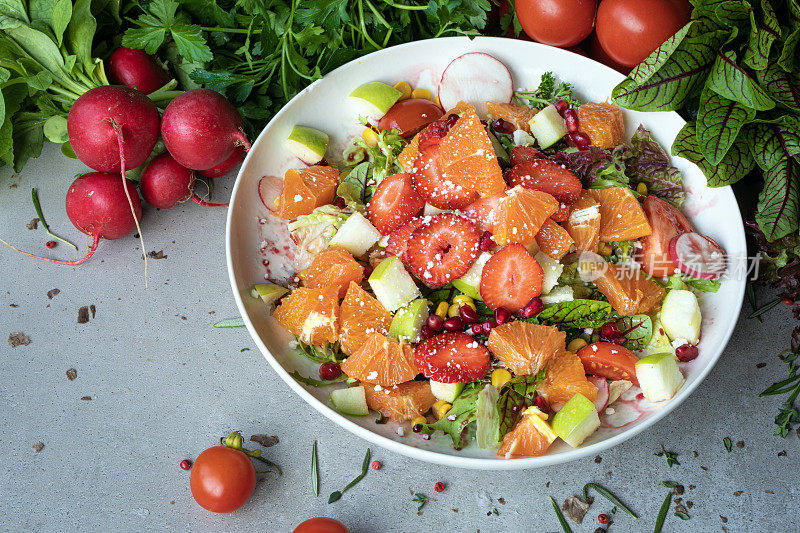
x=667 y=223
x=609 y=360
x=410 y=116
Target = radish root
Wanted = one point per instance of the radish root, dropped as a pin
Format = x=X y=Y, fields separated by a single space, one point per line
x=89 y=254
x=196 y=199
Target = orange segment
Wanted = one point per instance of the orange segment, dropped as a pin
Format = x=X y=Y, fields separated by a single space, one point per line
x=467 y=157
x=517 y=114
x=530 y=437
x=583 y=224
x=304 y=190
x=401 y=402
x=361 y=315
x=602 y=122
x=520 y=214
x=310 y=314
x=334 y=267
x=621 y=216
x=629 y=291
x=409 y=154
x=381 y=361
x=553 y=240
x=525 y=348
x=566 y=377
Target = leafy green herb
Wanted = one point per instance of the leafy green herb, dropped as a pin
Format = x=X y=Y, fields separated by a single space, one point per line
x=336 y=495
x=728 y=444
x=561 y=520
x=607 y=495
x=764 y=308
x=38 y=208
x=548 y=92
x=421 y=499
x=680 y=281
x=461 y=415
x=495 y=512
x=230 y=323
x=682 y=515
x=671 y=484
x=788 y=415
x=515 y=396
x=327 y=353
x=672 y=458
x=662 y=513
x=314 y=470
x=320 y=382
x=577 y=313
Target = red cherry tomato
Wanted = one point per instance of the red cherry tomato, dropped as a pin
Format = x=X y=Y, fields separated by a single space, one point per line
x=609 y=360
x=321 y=525
x=561 y=23
x=667 y=223
x=222 y=479
x=410 y=116
x=598 y=54
x=629 y=30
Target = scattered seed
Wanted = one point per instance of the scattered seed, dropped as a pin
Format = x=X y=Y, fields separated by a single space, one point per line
x=52 y=292
x=738 y=493
x=439 y=486
x=740 y=444
x=761 y=365
x=39 y=446
x=72 y=374
x=87 y=398
x=264 y=440
x=157 y=255
x=724 y=520
x=51 y=244
x=598 y=459
x=782 y=453
x=18 y=339
x=13 y=305
x=695 y=454
x=678 y=489
x=185 y=464
x=376 y=465
x=93 y=310
x=770 y=491
x=692 y=487
x=680 y=509
x=83 y=315
x=501 y=501
x=33 y=224
x=689 y=504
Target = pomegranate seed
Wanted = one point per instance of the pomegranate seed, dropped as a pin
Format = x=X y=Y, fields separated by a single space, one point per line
x=439 y=487
x=533 y=308
x=468 y=314
x=416 y=428
x=571 y=120
x=450 y=121
x=323 y=163
x=603 y=518
x=477 y=329
x=687 y=352
x=436 y=323
x=501 y=315
x=329 y=371
x=454 y=324
x=50 y=244
x=426 y=332
x=185 y=464
x=561 y=106
x=787 y=301
x=501 y=125
x=376 y=465
x=579 y=140
x=618 y=340
x=486 y=242
x=487 y=327
x=609 y=330
x=339 y=202
x=542 y=404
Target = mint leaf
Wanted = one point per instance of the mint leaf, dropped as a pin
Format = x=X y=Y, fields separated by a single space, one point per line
x=636 y=330
x=644 y=70
x=783 y=86
x=719 y=121
x=736 y=164
x=577 y=313
x=730 y=80
x=759 y=44
x=779 y=202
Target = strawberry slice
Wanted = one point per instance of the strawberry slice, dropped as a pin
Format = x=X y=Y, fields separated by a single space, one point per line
x=429 y=184
x=562 y=215
x=398 y=239
x=443 y=248
x=524 y=154
x=482 y=211
x=547 y=176
x=453 y=357
x=511 y=278
x=394 y=203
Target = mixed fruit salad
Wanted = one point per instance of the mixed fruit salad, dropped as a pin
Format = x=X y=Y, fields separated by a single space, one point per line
x=501 y=266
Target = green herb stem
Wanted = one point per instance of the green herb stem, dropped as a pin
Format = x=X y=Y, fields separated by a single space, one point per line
x=38 y=208
x=314 y=470
x=764 y=308
x=662 y=513
x=336 y=495
x=563 y=521
x=230 y=323
x=607 y=495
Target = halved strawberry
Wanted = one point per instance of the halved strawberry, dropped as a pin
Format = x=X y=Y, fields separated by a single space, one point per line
x=430 y=185
x=524 y=154
x=547 y=176
x=443 y=248
x=482 y=211
x=452 y=357
x=511 y=278
x=398 y=239
x=562 y=215
x=394 y=203
x=667 y=222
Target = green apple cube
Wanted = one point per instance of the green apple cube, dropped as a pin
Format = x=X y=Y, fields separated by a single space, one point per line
x=408 y=321
x=376 y=98
x=552 y=271
x=268 y=292
x=547 y=126
x=470 y=283
x=447 y=392
x=356 y=235
x=392 y=285
x=308 y=144
x=576 y=420
x=659 y=342
x=562 y=293
x=680 y=316
x=350 y=401
x=659 y=376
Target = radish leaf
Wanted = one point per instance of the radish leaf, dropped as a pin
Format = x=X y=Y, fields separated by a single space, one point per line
x=577 y=313
x=636 y=330
x=772 y=142
x=759 y=44
x=784 y=87
x=644 y=70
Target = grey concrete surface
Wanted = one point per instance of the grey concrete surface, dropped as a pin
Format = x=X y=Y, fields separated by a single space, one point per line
x=164 y=384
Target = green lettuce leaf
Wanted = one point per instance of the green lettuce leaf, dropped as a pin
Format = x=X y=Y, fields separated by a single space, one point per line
x=487 y=418
x=461 y=415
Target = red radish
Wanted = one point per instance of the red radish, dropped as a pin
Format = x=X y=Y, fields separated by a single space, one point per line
x=475 y=78
x=103 y=114
x=697 y=255
x=201 y=129
x=164 y=183
x=226 y=166
x=98 y=206
x=136 y=69
x=602 y=392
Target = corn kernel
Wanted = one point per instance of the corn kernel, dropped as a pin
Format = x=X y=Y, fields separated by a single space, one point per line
x=641 y=188
x=442 y=309
x=404 y=88
x=576 y=344
x=370 y=137
x=606 y=249
x=441 y=408
x=500 y=377
x=302 y=274
x=418 y=420
x=437 y=101
x=425 y=94
x=453 y=310
x=462 y=300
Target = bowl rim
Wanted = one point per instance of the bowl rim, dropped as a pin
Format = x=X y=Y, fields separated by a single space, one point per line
x=410 y=450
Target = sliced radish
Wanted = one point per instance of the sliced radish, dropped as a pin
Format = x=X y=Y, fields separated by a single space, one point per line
x=475 y=78
x=622 y=414
x=269 y=188
x=602 y=392
x=697 y=255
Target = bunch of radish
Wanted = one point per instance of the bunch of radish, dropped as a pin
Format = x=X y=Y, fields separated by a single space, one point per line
x=114 y=128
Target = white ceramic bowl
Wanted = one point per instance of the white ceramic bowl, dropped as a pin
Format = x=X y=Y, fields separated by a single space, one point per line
x=252 y=233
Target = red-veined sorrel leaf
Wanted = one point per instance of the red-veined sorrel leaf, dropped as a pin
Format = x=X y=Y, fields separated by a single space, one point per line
x=644 y=70
x=759 y=44
x=577 y=313
x=772 y=142
x=736 y=164
x=636 y=330
x=783 y=86
x=718 y=123
x=731 y=81
x=788 y=53
x=779 y=203
x=724 y=12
